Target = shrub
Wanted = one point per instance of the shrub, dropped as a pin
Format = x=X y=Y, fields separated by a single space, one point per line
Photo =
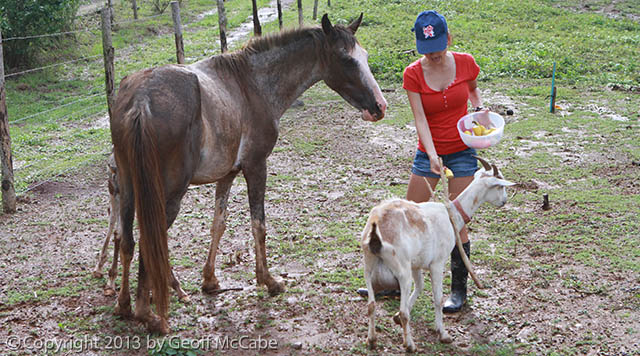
x=20 y=18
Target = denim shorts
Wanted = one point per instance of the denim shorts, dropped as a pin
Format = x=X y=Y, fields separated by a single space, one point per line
x=461 y=163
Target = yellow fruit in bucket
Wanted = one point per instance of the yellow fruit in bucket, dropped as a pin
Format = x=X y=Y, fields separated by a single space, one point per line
x=478 y=130
x=467 y=132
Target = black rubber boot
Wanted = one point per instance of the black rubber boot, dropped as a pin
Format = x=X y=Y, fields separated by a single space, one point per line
x=392 y=293
x=459 y=275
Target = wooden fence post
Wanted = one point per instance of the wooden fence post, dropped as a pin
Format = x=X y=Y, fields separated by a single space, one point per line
x=134 y=7
x=177 y=28
x=222 y=23
x=300 y=17
x=8 y=189
x=257 y=29
x=329 y=3
x=108 y=53
x=279 y=5
x=111 y=13
x=315 y=9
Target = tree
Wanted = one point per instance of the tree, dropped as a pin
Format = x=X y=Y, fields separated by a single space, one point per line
x=28 y=18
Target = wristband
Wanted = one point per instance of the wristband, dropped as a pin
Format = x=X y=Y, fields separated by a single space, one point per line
x=478 y=108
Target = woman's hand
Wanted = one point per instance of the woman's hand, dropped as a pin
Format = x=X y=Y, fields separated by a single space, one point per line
x=434 y=163
x=483 y=118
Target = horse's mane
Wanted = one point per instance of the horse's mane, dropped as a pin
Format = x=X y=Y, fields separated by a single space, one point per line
x=236 y=62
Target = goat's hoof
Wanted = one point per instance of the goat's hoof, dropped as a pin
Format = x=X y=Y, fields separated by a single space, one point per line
x=185 y=299
x=371 y=343
x=445 y=338
x=396 y=319
x=108 y=292
x=411 y=348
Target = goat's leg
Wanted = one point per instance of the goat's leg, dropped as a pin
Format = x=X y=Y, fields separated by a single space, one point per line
x=210 y=283
x=113 y=212
x=110 y=288
x=418 y=279
x=371 y=304
x=405 y=313
x=175 y=284
x=127 y=211
x=436 y=271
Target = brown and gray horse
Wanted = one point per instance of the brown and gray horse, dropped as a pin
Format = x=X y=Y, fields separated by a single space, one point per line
x=206 y=122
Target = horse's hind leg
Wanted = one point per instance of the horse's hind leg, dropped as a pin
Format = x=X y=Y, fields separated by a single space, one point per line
x=210 y=283
x=256 y=177
x=143 y=310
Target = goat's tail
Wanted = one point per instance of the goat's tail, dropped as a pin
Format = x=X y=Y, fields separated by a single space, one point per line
x=372 y=239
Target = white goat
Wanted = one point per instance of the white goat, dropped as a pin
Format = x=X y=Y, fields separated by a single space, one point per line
x=403 y=238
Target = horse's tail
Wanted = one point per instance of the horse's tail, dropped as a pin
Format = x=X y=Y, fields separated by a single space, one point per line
x=150 y=203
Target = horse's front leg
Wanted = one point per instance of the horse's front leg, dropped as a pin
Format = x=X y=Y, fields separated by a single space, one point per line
x=210 y=283
x=256 y=177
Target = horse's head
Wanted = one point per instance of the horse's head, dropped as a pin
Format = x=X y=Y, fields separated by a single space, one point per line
x=348 y=72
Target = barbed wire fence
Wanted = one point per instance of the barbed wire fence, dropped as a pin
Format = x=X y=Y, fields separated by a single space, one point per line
x=92 y=106
x=35 y=168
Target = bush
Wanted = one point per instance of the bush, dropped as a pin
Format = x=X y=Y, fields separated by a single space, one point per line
x=19 y=18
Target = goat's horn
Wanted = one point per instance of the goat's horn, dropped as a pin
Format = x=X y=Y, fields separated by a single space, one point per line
x=485 y=164
x=495 y=171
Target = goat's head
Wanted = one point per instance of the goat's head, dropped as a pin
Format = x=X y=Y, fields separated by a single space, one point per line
x=495 y=184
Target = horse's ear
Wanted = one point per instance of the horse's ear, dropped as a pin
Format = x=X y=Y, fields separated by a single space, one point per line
x=353 y=27
x=327 y=27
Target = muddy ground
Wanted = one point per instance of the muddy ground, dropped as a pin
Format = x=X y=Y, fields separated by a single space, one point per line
x=328 y=170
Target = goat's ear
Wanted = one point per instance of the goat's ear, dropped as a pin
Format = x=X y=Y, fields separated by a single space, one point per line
x=501 y=182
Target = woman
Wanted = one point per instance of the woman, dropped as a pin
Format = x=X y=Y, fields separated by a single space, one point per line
x=439 y=85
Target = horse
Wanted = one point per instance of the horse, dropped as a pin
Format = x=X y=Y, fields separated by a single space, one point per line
x=177 y=125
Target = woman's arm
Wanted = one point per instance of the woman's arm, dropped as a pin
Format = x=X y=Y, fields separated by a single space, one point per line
x=474 y=94
x=476 y=101
x=423 y=130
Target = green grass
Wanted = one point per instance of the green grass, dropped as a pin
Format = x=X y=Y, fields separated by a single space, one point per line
x=581 y=157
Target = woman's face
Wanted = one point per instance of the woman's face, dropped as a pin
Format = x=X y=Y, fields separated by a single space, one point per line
x=438 y=57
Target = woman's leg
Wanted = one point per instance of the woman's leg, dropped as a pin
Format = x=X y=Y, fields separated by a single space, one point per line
x=417 y=190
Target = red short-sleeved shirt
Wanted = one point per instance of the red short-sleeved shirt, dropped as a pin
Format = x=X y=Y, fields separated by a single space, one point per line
x=444 y=108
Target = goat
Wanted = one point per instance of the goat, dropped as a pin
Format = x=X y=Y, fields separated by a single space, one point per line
x=114 y=229
x=402 y=238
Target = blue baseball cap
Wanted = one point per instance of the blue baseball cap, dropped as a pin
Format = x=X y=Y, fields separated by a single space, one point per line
x=431 y=32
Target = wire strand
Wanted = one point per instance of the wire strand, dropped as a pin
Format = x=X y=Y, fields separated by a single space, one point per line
x=56 y=108
x=51 y=65
x=30 y=188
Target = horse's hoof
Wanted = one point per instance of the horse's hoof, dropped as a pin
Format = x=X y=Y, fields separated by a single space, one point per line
x=210 y=287
x=275 y=288
x=97 y=274
x=123 y=310
x=157 y=325
x=108 y=292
